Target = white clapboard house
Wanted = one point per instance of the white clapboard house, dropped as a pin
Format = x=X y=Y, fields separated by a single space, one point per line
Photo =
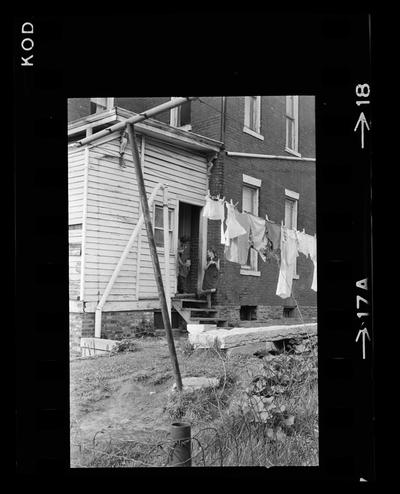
x=104 y=209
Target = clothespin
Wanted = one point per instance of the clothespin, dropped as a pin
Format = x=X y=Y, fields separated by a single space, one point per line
x=266 y=217
x=236 y=204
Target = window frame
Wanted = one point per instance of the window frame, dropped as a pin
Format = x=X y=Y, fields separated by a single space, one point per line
x=171 y=210
x=254 y=184
x=295 y=120
x=109 y=104
x=247 y=128
x=174 y=117
x=294 y=197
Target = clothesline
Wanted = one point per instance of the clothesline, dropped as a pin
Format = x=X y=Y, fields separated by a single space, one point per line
x=222 y=199
x=245 y=230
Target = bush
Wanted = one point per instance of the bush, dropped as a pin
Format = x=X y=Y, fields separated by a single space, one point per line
x=125 y=345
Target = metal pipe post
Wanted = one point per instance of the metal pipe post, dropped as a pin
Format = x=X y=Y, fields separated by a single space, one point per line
x=181 y=455
x=154 y=256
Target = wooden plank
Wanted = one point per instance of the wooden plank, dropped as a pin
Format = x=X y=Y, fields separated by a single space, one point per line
x=173 y=173
x=107 y=240
x=174 y=150
x=178 y=182
x=101 y=197
x=111 y=186
x=115 y=179
x=114 y=208
x=176 y=160
x=120 y=221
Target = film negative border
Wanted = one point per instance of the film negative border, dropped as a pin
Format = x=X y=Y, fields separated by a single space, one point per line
x=336 y=68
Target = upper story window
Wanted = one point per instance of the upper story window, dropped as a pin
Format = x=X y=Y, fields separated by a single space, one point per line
x=291 y=208
x=292 y=125
x=100 y=104
x=250 y=204
x=181 y=115
x=252 y=116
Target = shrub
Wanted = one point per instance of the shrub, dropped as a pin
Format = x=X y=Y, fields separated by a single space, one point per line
x=125 y=345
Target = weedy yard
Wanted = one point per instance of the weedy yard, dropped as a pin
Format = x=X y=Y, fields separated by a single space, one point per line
x=264 y=412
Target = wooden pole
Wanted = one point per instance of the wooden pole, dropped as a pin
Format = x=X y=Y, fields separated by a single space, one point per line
x=154 y=256
x=166 y=251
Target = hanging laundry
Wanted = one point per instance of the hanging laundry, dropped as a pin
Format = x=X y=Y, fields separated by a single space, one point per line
x=289 y=253
x=214 y=209
x=305 y=243
x=257 y=232
x=273 y=232
x=233 y=227
x=224 y=237
x=313 y=256
x=238 y=248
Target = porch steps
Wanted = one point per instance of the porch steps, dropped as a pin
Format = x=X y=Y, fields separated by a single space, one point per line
x=197 y=311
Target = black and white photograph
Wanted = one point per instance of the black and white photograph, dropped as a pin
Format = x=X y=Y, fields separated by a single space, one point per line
x=192 y=281
x=194 y=273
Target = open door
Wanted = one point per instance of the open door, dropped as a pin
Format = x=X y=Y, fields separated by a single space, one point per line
x=189 y=247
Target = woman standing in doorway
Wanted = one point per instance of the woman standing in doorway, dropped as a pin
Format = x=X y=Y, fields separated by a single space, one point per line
x=211 y=274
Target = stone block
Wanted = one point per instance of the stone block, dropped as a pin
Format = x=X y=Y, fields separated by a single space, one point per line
x=244 y=336
x=195 y=383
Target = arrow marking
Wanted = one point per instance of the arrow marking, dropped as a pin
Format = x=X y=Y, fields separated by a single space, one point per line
x=363 y=121
x=364 y=333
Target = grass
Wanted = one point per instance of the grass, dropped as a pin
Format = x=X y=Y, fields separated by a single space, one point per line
x=263 y=413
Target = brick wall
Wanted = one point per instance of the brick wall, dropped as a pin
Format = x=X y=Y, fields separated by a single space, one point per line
x=114 y=325
x=276 y=175
x=81 y=325
x=125 y=324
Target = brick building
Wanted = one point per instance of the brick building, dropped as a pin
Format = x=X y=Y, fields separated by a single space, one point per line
x=261 y=154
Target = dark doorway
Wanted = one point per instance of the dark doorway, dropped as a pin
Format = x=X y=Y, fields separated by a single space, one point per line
x=188 y=238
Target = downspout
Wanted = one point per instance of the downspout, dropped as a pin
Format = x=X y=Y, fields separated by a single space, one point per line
x=223 y=119
x=100 y=305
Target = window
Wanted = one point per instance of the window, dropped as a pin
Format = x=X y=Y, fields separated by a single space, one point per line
x=252 y=116
x=100 y=104
x=292 y=124
x=250 y=201
x=291 y=207
x=181 y=115
x=159 y=226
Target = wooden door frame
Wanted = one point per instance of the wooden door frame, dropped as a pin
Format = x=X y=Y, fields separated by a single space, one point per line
x=202 y=237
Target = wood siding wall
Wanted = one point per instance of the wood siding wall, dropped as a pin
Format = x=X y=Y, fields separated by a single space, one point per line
x=76 y=172
x=113 y=211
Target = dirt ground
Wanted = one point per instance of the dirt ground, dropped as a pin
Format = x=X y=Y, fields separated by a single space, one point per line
x=123 y=396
